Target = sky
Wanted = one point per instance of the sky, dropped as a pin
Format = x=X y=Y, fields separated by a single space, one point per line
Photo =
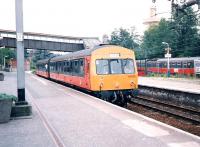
x=80 y=18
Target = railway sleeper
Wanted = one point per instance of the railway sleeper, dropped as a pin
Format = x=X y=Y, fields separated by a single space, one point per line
x=168 y=109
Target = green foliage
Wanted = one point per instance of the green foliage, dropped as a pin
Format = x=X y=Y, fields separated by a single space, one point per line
x=4 y=96
x=125 y=37
x=10 y=53
x=180 y=33
x=153 y=38
x=188 y=39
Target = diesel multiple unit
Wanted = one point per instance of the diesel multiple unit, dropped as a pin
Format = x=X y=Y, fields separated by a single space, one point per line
x=107 y=71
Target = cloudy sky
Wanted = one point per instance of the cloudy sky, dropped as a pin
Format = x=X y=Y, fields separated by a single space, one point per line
x=79 y=17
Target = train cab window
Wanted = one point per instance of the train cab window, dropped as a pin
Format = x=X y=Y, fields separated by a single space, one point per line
x=115 y=66
x=128 y=66
x=102 y=67
x=197 y=64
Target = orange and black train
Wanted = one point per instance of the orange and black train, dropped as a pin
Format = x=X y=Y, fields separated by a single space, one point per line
x=107 y=71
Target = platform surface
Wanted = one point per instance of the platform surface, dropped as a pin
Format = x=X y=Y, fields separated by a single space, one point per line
x=65 y=117
x=182 y=84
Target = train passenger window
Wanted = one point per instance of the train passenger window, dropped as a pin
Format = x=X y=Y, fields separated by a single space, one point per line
x=76 y=67
x=190 y=64
x=184 y=64
x=142 y=64
x=179 y=65
x=102 y=67
x=173 y=65
x=81 y=66
x=165 y=64
x=128 y=66
x=115 y=66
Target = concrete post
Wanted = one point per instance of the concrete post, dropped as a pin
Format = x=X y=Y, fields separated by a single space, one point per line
x=21 y=108
x=20 y=50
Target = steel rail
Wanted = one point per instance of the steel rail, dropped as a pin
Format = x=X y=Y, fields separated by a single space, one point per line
x=185 y=113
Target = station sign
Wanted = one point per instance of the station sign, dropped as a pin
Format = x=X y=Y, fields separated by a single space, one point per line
x=20 y=37
x=168 y=55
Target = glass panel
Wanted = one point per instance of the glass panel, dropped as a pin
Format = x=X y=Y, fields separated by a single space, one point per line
x=115 y=66
x=197 y=64
x=81 y=66
x=128 y=66
x=102 y=66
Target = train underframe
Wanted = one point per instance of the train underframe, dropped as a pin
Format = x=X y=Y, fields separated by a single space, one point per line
x=118 y=97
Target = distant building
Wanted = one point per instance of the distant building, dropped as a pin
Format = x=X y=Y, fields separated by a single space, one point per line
x=13 y=65
x=153 y=19
x=105 y=39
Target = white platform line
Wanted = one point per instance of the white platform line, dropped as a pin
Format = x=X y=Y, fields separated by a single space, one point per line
x=183 y=144
x=41 y=81
x=145 y=128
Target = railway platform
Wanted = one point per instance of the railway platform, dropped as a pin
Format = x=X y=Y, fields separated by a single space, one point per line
x=65 y=117
x=181 y=84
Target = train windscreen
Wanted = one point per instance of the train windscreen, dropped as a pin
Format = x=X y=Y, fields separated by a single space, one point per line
x=197 y=64
x=128 y=66
x=102 y=67
x=115 y=66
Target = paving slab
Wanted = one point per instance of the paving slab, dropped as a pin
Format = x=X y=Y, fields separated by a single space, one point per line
x=77 y=119
x=182 y=84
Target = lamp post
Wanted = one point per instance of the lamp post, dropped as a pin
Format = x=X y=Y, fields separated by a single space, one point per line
x=168 y=56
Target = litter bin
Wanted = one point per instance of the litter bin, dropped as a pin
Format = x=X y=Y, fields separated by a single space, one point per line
x=1 y=76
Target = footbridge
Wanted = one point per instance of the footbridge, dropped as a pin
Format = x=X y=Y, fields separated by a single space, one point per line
x=47 y=41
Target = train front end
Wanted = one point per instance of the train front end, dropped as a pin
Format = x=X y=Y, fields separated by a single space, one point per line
x=114 y=75
x=197 y=67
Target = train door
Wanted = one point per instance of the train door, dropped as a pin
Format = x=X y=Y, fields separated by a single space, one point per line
x=87 y=72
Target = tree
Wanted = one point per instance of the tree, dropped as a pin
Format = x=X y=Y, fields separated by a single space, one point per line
x=188 y=40
x=181 y=33
x=9 y=53
x=153 y=38
x=125 y=37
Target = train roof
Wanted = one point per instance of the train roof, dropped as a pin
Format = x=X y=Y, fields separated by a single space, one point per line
x=43 y=61
x=76 y=54
x=180 y=59
x=171 y=59
x=72 y=55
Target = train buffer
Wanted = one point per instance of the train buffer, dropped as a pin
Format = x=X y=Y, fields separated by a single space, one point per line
x=65 y=117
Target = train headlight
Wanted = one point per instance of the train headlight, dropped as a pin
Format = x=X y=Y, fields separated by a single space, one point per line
x=132 y=84
x=117 y=85
x=101 y=85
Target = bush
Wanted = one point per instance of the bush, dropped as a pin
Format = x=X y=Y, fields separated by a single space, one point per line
x=4 y=96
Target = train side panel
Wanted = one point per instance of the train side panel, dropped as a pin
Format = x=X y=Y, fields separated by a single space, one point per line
x=42 y=73
x=80 y=81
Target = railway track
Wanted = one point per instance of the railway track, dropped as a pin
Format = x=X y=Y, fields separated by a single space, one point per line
x=174 y=110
